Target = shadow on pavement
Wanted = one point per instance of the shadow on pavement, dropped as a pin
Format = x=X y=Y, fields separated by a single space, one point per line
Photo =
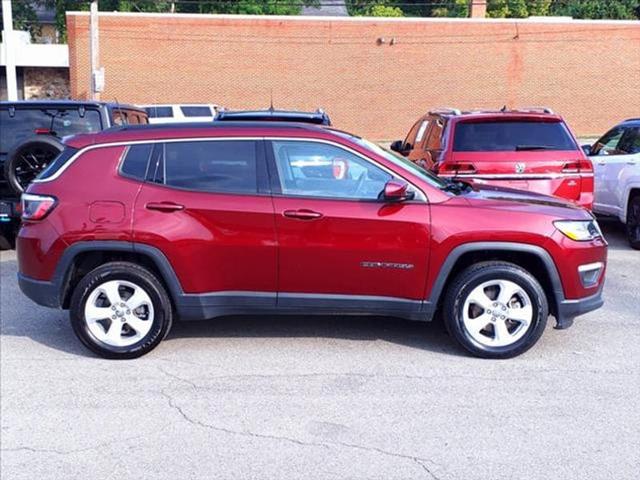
x=19 y=317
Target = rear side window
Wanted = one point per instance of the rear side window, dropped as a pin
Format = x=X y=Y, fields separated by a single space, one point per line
x=136 y=160
x=57 y=163
x=510 y=136
x=196 y=111
x=225 y=166
x=159 y=112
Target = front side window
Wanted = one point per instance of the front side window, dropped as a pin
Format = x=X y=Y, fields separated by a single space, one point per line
x=511 y=135
x=225 y=166
x=608 y=144
x=314 y=169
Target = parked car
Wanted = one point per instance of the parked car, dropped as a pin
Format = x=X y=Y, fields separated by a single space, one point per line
x=134 y=227
x=30 y=138
x=616 y=161
x=319 y=117
x=181 y=113
x=527 y=149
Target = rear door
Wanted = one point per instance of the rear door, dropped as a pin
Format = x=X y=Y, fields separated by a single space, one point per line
x=339 y=244
x=535 y=155
x=206 y=206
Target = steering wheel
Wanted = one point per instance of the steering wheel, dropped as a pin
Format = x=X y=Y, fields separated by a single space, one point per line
x=359 y=183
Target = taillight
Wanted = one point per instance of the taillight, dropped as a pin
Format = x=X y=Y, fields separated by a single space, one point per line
x=36 y=207
x=578 y=166
x=457 y=168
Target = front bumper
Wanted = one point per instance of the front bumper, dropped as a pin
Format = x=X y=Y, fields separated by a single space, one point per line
x=569 y=309
x=40 y=291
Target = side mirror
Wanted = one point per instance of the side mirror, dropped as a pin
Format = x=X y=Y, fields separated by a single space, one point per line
x=586 y=149
x=397 y=191
x=397 y=146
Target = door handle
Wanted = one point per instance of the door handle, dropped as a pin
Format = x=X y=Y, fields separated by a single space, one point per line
x=631 y=162
x=302 y=214
x=164 y=206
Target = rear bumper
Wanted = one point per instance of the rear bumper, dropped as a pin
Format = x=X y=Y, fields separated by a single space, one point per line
x=569 y=309
x=42 y=292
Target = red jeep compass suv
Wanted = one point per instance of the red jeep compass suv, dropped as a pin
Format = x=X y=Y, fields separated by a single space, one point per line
x=529 y=149
x=132 y=228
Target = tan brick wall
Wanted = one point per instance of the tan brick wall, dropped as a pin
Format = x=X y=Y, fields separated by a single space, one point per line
x=587 y=71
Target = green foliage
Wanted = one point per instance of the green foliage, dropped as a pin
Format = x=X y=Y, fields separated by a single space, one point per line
x=598 y=9
x=457 y=8
x=379 y=10
x=24 y=17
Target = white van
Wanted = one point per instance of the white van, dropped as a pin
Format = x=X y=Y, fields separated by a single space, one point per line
x=179 y=113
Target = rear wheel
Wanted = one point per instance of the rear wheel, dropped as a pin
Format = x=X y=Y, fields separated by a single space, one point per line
x=496 y=310
x=633 y=222
x=28 y=159
x=120 y=310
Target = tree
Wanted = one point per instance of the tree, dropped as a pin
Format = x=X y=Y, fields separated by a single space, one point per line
x=24 y=17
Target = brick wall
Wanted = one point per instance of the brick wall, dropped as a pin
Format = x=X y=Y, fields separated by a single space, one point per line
x=589 y=71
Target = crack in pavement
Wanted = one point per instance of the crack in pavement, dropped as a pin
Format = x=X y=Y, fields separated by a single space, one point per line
x=27 y=448
x=418 y=460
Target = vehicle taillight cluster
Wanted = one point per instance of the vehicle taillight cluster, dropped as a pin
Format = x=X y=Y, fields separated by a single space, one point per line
x=578 y=166
x=36 y=207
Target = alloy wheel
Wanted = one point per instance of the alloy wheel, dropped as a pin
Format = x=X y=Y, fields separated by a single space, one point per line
x=497 y=313
x=119 y=313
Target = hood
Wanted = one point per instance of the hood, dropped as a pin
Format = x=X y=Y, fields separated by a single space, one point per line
x=521 y=201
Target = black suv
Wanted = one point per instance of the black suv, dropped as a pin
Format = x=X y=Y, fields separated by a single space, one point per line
x=30 y=137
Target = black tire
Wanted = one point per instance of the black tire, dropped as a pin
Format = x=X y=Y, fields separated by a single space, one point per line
x=477 y=274
x=633 y=222
x=129 y=272
x=28 y=159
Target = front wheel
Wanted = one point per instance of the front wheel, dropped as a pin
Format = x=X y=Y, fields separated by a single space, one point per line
x=496 y=310
x=120 y=310
x=633 y=222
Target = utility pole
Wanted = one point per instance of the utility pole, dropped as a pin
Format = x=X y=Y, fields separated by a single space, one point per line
x=97 y=73
x=8 y=39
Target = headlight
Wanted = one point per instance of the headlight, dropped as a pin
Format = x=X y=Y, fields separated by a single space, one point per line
x=579 y=230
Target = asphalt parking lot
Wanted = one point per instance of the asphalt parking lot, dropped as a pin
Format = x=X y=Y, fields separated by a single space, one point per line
x=323 y=398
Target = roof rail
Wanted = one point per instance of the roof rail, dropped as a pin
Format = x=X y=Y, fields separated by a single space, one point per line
x=534 y=109
x=453 y=111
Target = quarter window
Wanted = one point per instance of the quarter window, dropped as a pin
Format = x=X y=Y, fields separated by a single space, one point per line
x=136 y=160
x=314 y=169
x=209 y=166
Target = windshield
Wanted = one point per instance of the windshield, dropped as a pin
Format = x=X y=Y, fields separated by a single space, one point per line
x=511 y=136
x=59 y=121
x=400 y=162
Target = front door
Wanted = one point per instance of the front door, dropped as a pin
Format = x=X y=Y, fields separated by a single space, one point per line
x=616 y=150
x=339 y=244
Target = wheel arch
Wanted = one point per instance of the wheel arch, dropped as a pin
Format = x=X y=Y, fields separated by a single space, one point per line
x=82 y=257
x=632 y=191
x=536 y=260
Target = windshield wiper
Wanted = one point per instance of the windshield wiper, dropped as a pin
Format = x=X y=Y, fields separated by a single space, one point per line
x=534 y=147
